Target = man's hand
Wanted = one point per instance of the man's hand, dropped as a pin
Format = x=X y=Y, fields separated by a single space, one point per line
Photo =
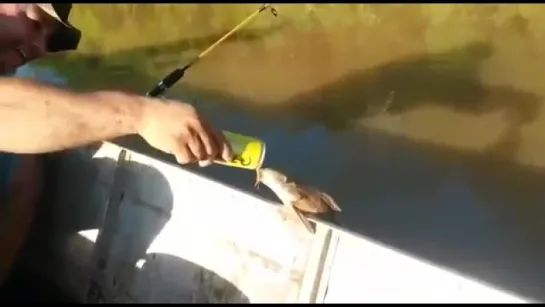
x=178 y=129
x=41 y=118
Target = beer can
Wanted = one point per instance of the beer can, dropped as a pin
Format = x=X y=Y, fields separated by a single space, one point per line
x=248 y=152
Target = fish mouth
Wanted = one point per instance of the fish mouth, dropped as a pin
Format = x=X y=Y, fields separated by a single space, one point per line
x=258 y=177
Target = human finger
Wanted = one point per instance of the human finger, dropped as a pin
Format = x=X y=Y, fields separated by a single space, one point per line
x=209 y=141
x=226 y=152
x=205 y=163
x=197 y=148
x=184 y=155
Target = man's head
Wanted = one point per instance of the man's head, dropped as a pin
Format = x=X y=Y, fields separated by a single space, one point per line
x=29 y=31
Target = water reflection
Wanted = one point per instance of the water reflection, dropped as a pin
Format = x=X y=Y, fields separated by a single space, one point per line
x=424 y=121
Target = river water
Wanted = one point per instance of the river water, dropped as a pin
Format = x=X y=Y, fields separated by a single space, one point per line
x=425 y=122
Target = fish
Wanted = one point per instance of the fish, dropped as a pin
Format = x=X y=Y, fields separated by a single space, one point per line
x=297 y=197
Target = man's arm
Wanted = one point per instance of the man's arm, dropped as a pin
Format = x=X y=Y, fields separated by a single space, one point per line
x=37 y=118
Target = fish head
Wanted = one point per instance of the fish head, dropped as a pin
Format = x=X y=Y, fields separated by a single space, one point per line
x=268 y=175
x=286 y=191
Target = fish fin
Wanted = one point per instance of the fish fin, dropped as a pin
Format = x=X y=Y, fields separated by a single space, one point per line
x=311 y=228
x=330 y=202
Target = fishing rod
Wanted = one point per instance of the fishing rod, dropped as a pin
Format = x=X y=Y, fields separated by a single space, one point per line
x=178 y=73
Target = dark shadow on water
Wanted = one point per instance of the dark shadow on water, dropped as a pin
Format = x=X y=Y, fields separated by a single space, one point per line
x=469 y=212
x=478 y=213
x=450 y=79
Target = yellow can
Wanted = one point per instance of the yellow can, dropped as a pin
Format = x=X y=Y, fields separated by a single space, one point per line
x=248 y=151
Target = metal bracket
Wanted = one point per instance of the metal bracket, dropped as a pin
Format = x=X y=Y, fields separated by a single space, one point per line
x=101 y=253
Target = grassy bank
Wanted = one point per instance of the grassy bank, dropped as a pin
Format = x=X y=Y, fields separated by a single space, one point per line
x=114 y=27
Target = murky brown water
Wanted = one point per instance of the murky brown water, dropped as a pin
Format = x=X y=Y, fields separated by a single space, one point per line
x=424 y=121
